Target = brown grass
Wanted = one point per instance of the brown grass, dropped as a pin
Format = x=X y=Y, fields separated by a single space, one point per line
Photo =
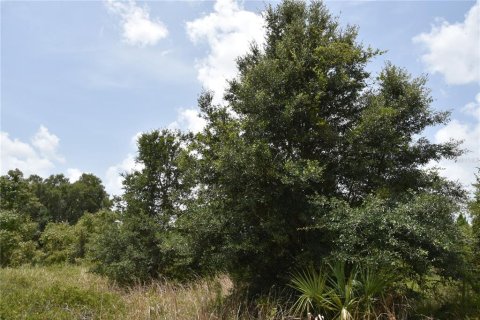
x=71 y=292
x=165 y=300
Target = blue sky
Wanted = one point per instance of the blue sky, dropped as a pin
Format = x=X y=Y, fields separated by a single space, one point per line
x=80 y=79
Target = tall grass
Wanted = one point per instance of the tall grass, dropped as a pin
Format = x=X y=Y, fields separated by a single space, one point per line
x=57 y=293
x=166 y=300
x=71 y=292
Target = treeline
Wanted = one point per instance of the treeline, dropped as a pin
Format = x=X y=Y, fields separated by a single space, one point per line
x=38 y=216
x=310 y=160
x=53 y=199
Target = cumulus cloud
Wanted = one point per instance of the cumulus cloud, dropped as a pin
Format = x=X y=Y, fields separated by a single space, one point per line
x=73 y=174
x=463 y=169
x=138 y=28
x=188 y=119
x=113 y=175
x=47 y=144
x=453 y=50
x=473 y=108
x=228 y=32
x=37 y=157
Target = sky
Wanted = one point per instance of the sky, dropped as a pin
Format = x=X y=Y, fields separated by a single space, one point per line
x=80 y=80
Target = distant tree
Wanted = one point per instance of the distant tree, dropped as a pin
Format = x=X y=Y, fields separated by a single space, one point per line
x=87 y=194
x=37 y=215
x=67 y=202
x=53 y=199
x=54 y=194
x=16 y=193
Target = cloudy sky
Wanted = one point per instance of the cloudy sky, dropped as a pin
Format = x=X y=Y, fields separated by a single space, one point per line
x=81 y=79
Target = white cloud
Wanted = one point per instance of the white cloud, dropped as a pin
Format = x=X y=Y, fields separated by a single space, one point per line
x=228 y=31
x=134 y=139
x=454 y=49
x=138 y=28
x=73 y=174
x=38 y=157
x=473 y=108
x=113 y=178
x=464 y=168
x=113 y=175
x=188 y=119
x=47 y=144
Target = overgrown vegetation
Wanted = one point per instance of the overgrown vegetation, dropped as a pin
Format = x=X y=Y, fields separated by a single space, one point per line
x=71 y=292
x=310 y=160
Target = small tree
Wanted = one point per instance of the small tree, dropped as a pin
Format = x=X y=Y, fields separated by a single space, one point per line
x=140 y=245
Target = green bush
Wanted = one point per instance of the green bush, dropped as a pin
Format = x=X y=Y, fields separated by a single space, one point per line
x=414 y=235
x=129 y=250
x=26 y=253
x=87 y=228
x=17 y=235
x=58 y=242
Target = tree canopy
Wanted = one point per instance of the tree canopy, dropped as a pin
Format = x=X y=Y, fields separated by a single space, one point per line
x=305 y=120
x=53 y=199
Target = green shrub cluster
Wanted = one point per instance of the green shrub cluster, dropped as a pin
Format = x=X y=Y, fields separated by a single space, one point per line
x=17 y=239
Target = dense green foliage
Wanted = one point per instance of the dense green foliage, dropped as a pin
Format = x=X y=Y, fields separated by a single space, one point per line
x=17 y=235
x=37 y=217
x=58 y=241
x=144 y=242
x=304 y=121
x=309 y=159
x=53 y=199
x=474 y=208
x=416 y=235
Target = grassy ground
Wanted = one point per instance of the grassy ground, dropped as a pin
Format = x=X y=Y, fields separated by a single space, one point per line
x=70 y=292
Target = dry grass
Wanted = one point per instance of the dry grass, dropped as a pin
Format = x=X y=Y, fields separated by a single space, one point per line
x=71 y=292
x=57 y=293
x=163 y=300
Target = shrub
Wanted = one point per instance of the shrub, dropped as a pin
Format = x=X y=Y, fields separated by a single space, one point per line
x=125 y=250
x=17 y=234
x=414 y=236
x=58 y=243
